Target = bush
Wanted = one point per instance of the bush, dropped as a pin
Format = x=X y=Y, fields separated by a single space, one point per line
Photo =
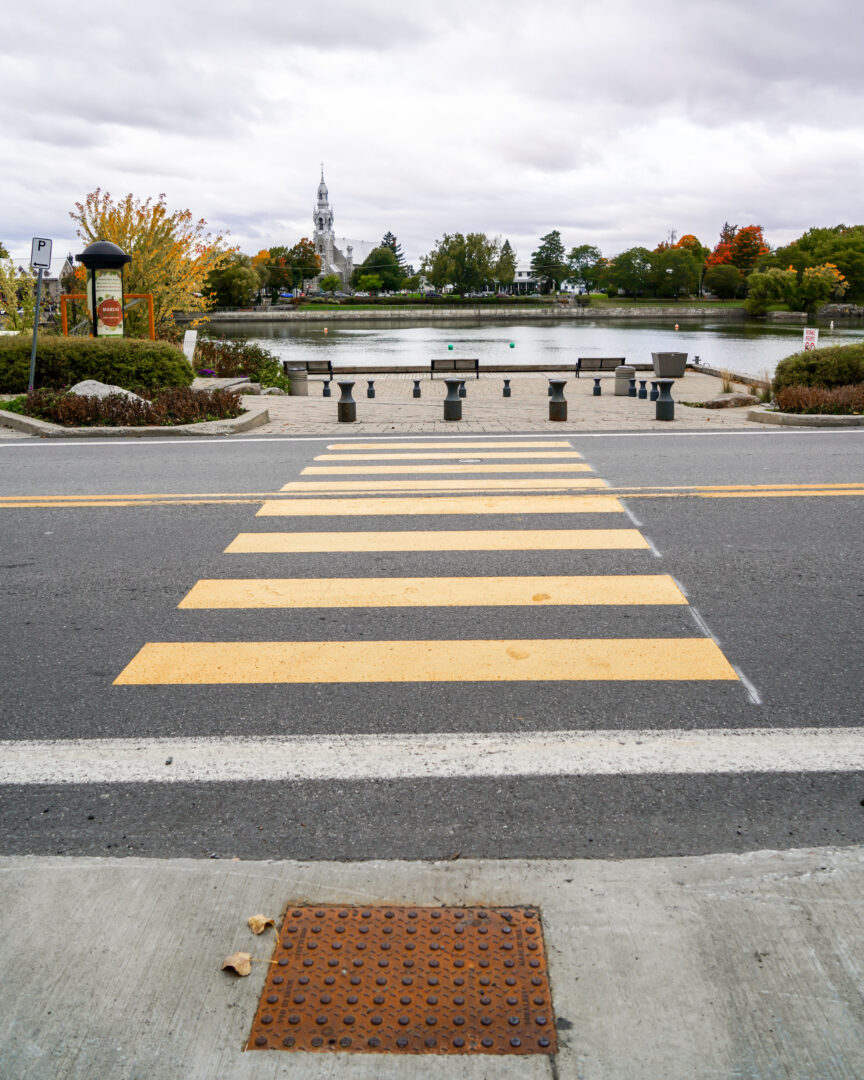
x=837 y=365
x=231 y=359
x=611 y=291
x=176 y=405
x=63 y=361
x=843 y=400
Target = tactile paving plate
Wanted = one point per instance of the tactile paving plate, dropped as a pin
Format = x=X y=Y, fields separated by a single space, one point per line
x=408 y=980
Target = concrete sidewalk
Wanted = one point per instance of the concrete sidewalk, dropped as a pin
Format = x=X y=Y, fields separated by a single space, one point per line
x=732 y=966
x=484 y=409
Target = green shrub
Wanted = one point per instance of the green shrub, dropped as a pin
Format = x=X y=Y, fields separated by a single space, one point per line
x=64 y=361
x=231 y=359
x=842 y=400
x=836 y=365
x=173 y=405
x=611 y=291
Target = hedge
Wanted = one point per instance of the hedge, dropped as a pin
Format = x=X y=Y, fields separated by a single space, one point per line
x=64 y=361
x=836 y=365
x=174 y=405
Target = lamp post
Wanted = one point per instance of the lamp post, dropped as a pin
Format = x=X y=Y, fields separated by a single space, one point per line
x=104 y=262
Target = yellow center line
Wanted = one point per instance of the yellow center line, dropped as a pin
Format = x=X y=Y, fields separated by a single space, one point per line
x=464 y=504
x=547 y=590
x=497 y=467
x=209 y=663
x=450 y=540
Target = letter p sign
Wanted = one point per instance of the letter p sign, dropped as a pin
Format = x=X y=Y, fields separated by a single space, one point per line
x=40 y=253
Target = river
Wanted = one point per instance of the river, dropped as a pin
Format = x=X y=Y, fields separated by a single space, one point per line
x=749 y=348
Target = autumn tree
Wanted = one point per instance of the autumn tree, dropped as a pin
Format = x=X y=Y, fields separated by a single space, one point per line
x=172 y=253
x=840 y=245
x=236 y=283
x=548 y=262
x=741 y=248
x=17 y=291
x=819 y=284
x=303 y=261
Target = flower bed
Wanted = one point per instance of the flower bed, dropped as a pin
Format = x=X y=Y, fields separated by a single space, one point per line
x=160 y=408
x=840 y=401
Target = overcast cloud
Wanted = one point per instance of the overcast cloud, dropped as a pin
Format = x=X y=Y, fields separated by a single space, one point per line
x=613 y=123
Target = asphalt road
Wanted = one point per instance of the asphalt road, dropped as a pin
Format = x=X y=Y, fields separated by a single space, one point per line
x=774 y=580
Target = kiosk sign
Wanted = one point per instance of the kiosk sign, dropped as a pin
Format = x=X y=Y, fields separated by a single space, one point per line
x=107 y=286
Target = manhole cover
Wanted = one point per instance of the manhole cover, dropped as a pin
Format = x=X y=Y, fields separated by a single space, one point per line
x=408 y=980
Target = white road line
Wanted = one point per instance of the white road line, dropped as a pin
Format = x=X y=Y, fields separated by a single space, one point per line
x=452 y=754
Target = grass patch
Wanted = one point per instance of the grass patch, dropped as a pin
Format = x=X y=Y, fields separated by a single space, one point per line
x=160 y=408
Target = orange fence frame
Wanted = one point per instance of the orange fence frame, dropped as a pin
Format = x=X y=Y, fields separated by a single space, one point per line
x=64 y=320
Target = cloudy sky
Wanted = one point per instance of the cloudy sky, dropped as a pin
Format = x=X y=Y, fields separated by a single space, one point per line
x=612 y=122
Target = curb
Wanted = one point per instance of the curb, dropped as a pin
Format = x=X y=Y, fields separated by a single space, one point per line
x=765 y=416
x=247 y=422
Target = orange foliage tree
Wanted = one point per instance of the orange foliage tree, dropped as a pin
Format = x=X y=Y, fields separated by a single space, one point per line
x=172 y=253
x=740 y=248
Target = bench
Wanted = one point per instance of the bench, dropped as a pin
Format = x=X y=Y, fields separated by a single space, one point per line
x=319 y=367
x=598 y=363
x=453 y=363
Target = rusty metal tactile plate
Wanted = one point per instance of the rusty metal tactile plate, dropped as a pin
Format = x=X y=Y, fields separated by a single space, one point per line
x=408 y=980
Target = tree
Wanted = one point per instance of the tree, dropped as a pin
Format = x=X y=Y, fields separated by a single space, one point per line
x=172 y=253
x=689 y=242
x=280 y=274
x=841 y=245
x=261 y=266
x=771 y=286
x=819 y=284
x=304 y=262
x=747 y=247
x=548 y=262
x=505 y=267
x=4 y=254
x=673 y=272
x=370 y=283
x=629 y=271
x=467 y=262
x=583 y=264
x=331 y=283
x=723 y=279
x=17 y=290
x=381 y=261
x=236 y=284
x=390 y=241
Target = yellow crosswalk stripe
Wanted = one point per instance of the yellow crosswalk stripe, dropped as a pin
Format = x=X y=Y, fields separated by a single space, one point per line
x=496 y=454
x=464 y=504
x=488 y=444
x=208 y=663
x=623 y=589
x=518 y=483
x=496 y=467
x=450 y=540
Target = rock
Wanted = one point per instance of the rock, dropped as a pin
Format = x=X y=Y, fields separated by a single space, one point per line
x=94 y=388
x=736 y=400
x=274 y=391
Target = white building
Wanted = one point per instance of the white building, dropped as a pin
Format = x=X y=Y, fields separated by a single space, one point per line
x=338 y=254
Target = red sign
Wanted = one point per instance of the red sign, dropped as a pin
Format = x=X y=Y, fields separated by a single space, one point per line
x=110 y=312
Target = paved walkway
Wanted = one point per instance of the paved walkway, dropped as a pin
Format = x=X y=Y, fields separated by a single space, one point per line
x=485 y=409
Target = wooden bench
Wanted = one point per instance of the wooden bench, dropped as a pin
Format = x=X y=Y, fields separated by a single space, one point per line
x=598 y=363
x=319 y=367
x=453 y=363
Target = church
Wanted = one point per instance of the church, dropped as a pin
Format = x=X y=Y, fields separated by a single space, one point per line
x=338 y=254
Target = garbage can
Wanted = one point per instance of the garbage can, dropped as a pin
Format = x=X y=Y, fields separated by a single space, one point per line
x=299 y=381
x=669 y=365
x=623 y=374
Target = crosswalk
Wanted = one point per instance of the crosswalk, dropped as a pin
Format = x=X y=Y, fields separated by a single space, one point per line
x=488 y=487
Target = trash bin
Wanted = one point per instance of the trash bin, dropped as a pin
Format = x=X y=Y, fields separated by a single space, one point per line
x=669 y=365
x=623 y=374
x=299 y=381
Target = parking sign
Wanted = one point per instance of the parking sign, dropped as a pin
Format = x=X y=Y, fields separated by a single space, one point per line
x=40 y=253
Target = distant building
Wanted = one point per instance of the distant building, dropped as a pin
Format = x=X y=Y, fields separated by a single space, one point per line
x=525 y=280
x=338 y=254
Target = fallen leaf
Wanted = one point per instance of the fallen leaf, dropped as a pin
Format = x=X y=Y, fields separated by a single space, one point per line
x=259 y=923
x=241 y=962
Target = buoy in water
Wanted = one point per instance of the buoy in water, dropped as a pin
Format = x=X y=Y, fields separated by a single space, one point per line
x=676 y=325
x=449 y=346
x=512 y=345
x=325 y=329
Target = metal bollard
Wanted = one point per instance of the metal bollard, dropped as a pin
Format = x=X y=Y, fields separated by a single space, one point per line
x=370 y=388
x=631 y=390
x=452 y=403
x=549 y=389
x=346 y=406
x=655 y=393
x=325 y=391
x=506 y=388
x=665 y=406
x=557 y=403
x=643 y=391
x=416 y=391
x=598 y=390
x=462 y=391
